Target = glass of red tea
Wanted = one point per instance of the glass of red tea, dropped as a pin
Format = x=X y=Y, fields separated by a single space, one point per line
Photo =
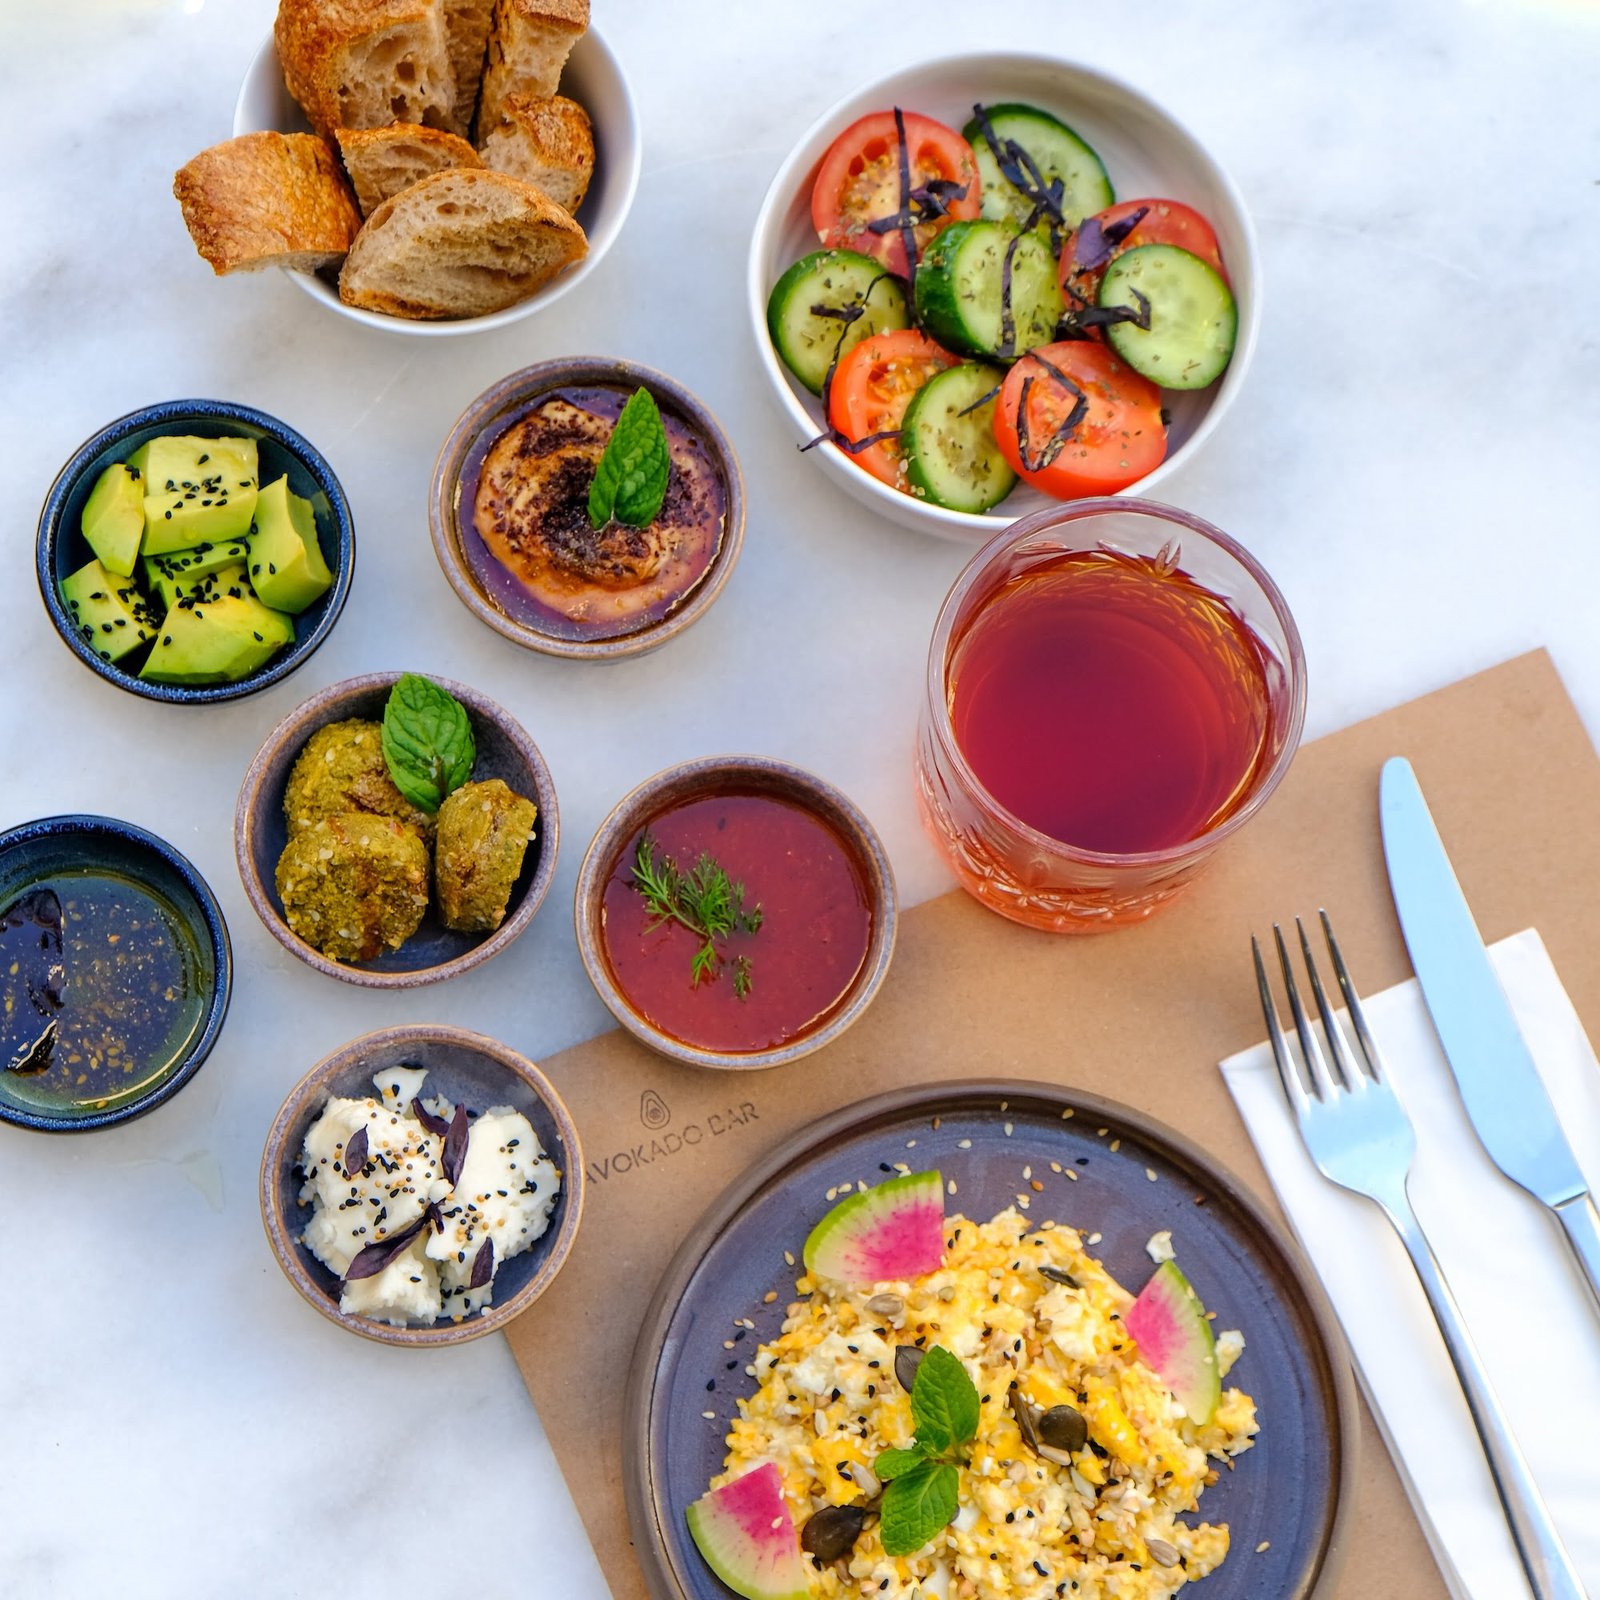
x=1114 y=688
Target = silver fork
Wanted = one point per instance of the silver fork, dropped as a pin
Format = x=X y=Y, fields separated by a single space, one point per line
x=1359 y=1135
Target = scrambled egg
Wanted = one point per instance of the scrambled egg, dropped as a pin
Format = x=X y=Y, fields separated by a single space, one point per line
x=1104 y=1528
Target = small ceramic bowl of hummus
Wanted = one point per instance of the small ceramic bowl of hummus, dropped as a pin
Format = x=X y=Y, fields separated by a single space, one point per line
x=422 y=1185
x=514 y=530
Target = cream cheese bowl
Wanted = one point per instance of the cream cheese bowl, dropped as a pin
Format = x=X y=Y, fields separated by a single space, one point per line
x=469 y=1069
x=1146 y=151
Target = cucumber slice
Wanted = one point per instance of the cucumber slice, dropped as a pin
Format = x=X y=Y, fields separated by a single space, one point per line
x=1193 y=320
x=1055 y=150
x=837 y=281
x=960 y=283
x=951 y=455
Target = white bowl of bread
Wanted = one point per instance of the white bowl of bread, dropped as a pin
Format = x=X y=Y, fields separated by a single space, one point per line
x=426 y=166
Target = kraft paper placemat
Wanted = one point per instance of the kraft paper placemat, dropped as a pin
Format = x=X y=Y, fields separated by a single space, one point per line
x=1143 y=1015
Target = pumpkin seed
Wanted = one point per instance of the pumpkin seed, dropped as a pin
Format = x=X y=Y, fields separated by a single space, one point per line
x=1063 y=1428
x=1162 y=1553
x=907 y=1358
x=833 y=1532
x=886 y=1305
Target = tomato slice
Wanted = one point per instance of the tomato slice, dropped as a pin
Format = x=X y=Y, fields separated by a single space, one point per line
x=1163 y=222
x=871 y=389
x=859 y=183
x=1119 y=439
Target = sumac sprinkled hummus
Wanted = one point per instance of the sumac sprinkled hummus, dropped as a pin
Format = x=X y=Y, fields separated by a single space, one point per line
x=541 y=558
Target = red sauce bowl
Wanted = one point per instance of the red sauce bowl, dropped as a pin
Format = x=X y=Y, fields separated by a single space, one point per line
x=805 y=864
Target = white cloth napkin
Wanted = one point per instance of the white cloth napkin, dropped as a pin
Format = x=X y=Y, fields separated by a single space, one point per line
x=1504 y=1256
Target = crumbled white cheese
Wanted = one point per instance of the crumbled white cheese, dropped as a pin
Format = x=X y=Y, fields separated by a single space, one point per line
x=384 y=1199
x=1159 y=1246
x=407 y=1290
x=505 y=1193
x=1230 y=1346
x=398 y=1086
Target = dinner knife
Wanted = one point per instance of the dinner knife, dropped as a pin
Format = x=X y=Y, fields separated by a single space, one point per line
x=1494 y=1070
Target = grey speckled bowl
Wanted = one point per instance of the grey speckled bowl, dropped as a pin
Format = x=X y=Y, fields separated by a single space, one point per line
x=469 y=1070
x=433 y=952
x=493 y=409
x=737 y=775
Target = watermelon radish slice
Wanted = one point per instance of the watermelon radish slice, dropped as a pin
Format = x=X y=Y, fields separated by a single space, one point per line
x=893 y=1230
x=747 y=1536
x=1169 y=1325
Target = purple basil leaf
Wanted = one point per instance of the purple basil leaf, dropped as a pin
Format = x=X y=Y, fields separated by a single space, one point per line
x=455 y=1145
x=1092 y=249
x=371 y=1259
x=434 y=1125
x=355 y=1153
x=482 y=1265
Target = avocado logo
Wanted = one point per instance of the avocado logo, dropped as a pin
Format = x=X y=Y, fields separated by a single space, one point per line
x=653 y=1112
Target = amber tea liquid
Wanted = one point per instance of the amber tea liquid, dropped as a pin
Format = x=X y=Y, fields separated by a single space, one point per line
x=1111 y=702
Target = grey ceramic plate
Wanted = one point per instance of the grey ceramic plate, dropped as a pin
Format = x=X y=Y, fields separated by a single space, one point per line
x=1289 y=1491
x=468 y=1069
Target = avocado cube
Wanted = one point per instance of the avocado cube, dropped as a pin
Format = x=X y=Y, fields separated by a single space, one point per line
x=286 y=564
x=107 y=609
x=196 y=491
x=178 y=572
x=216 y=641
x=113 y=519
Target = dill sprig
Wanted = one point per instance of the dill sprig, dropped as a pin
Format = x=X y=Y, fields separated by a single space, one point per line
x=705 y=900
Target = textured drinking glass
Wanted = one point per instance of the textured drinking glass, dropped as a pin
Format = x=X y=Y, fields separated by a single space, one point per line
x=1012 y=866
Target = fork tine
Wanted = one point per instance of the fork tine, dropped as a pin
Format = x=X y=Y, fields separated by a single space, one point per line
x=1293 y=1085
x=1317 y=1070
x=1344 y=1062
x=1372 y=1057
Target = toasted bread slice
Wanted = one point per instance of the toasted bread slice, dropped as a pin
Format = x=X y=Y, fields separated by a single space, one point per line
x=462 y=243
x=383 y=161
x=528 y=46
x=365 y=63
x=267 y=200
x=466 y=31
x=548 y=143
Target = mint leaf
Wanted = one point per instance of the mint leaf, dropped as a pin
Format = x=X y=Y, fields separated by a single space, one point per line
x=630 y=483
x=916 y=1506
x=944 y=1404
x=890 y=1464
x=427 y=741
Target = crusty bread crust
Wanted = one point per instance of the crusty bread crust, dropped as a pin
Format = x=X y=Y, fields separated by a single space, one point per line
x=548 y=143
x=383 y=161
x=466 y=28
x=364 y=63
x=267 y=199
x=528 y=46
x=462 y=243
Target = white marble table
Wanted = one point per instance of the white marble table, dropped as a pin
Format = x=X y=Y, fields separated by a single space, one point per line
x=1415 y=459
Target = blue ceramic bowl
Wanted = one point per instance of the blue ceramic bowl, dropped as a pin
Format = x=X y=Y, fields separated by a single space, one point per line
x=62 y=549
x=54 y=848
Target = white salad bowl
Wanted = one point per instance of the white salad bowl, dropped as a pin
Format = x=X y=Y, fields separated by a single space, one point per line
x=593 y=77
x=1146 y=151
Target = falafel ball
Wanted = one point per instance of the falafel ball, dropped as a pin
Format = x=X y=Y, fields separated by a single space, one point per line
x=342 y=769
x=354 y=885
x=484 y=831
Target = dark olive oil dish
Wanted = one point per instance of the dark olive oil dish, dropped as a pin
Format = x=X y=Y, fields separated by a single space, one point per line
x=115 y=973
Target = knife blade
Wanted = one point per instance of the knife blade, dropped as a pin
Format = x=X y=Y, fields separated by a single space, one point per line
x=1494 y=1069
